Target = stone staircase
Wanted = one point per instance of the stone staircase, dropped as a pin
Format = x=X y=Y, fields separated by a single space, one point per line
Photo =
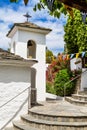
x=78 y=99
x=59 y=115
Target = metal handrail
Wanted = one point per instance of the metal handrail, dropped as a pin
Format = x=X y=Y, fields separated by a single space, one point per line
x=13 y=98
x=71 y=81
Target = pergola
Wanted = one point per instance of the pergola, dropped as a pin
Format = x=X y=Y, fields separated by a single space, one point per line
x=78 y=4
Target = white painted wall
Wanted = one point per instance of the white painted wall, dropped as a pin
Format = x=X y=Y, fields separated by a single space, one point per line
x=74 y=66
x=40 y=75
x=14 y=39
x=21 y=49
x=15 y=75
x=84 y=79
x=24 y=36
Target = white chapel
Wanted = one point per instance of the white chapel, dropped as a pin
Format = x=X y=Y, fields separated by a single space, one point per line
x=29 y=41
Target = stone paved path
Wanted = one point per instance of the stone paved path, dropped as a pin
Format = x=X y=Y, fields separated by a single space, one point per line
x=58 y=107
x=62 y=108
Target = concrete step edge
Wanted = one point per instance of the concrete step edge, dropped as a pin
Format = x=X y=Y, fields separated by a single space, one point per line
x=10 y=128
x=22 y=126
x=78 y=95
x=30 y=119
x=59 y=116
x=75 y=100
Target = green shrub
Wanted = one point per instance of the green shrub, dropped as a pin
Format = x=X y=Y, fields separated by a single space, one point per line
x=62 y=77
x=50 y=88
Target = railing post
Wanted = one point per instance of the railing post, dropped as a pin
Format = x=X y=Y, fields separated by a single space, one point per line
x=64 y=92
x=33 y=96
x=29 y=97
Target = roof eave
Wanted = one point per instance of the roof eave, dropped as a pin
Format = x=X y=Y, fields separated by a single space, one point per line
x=12 y=31
x=25 y=63
x=16 y=27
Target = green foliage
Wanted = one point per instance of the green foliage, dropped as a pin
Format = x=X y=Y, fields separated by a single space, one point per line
x=50 y=88
x=25 y=1
x=62 y=77
x=49 y=56
x=56 y=65
x=75 y=34
x=13 y=0
x=58 y=8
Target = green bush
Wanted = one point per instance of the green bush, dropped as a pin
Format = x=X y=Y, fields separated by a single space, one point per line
x=62 y=77
x=50 y=88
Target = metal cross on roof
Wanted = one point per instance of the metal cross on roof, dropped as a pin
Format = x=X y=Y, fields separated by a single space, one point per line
x=27 y=16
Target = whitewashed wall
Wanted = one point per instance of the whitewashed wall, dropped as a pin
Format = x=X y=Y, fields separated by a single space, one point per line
x=74 y=66
x=84 y=79
x=13 y=80
x=14 y=39
x=15 y=75
x=40 y=74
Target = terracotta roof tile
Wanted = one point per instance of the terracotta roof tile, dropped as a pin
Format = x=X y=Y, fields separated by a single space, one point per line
x=7 y=55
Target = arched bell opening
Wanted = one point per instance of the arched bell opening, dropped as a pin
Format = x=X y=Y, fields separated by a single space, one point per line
x=31 y=49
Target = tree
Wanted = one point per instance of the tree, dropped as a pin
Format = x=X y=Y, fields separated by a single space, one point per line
x=25 y=1
x=57 y=9
x=49 y=56
x=75 y=33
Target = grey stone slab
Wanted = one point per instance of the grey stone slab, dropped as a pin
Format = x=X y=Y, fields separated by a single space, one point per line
x=20 y=125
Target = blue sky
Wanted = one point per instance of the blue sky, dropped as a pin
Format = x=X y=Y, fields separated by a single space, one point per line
x=13 y=12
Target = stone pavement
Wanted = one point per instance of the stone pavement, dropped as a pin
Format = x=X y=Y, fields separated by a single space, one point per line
x=60 y=108
x=53 y=115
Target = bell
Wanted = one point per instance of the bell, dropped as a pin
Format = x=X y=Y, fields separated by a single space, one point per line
x=29 y=43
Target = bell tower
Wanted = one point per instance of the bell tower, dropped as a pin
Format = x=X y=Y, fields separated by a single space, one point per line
x=29 y=41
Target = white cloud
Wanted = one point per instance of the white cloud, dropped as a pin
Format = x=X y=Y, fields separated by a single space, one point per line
x=41 y=18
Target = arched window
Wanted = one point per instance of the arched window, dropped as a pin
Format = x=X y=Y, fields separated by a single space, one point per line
x=31 y=49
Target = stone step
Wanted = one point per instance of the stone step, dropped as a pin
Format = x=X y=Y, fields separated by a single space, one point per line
x=82 y=92
x=53 y=125
x=59 y=118
x=23 y=126
x=11 y=128
x=76 y=102
x=79 y=97
x=19 y=125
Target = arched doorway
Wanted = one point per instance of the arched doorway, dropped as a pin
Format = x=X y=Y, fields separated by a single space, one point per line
x=31 y=49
